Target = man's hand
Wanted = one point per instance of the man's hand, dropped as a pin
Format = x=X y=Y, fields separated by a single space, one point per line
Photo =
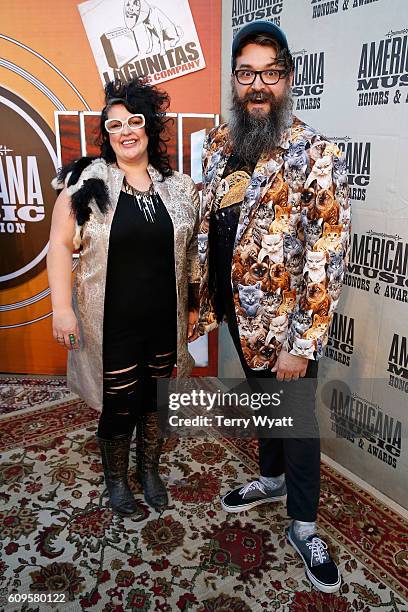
x=290 y=367
x=192 y=332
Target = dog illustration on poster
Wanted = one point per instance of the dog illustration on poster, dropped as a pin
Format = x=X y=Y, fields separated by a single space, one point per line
x=156 y=22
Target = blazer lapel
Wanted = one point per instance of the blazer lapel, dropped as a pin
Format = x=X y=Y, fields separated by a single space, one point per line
x=162 y=189
x=115 y=187
x=263 y=176
x=215 y=170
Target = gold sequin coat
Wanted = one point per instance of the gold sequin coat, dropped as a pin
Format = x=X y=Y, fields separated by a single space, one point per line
x=180 y=197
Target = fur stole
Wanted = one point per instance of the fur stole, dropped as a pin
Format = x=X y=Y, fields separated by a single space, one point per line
x=85 y=180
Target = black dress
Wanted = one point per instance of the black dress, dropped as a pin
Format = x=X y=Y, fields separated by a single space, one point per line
x=140 y=314
x=140 y=294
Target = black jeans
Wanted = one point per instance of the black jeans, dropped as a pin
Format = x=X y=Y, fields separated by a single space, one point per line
x=298 y=458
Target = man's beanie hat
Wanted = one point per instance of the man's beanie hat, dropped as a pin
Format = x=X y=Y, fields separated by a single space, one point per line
x=258 y=27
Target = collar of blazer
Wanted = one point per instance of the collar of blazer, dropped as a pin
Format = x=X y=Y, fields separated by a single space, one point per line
x=263 y=176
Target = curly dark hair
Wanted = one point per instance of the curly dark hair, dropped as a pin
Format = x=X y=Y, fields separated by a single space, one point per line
x=139 y=97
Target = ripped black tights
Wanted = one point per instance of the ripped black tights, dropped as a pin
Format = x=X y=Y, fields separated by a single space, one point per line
x=130 y=387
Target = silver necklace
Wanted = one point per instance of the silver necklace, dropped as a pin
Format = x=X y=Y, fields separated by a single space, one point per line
x=144 y=200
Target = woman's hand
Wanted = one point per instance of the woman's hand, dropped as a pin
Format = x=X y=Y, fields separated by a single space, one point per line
x=192 y=325
x=65 y=328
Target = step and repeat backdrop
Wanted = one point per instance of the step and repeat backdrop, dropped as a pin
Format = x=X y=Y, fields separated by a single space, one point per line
x=351 y=83
x=55 y=58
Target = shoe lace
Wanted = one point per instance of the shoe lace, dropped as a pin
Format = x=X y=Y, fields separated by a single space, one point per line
x=318 y=550
x=255 y=485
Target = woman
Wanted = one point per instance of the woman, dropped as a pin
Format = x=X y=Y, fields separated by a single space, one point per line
x=134 y=300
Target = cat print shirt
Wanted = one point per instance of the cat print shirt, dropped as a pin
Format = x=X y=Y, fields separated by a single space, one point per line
x=291 y=244
x=223 y=228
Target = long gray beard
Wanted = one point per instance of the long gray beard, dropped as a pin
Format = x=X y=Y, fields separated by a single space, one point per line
x=254 y=135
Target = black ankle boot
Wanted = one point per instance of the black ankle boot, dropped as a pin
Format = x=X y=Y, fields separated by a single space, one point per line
x=115 y=461
x=148 y=450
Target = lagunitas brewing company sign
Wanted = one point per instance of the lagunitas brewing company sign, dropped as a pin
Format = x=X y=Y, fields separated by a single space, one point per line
x=247 y=11
x=308 y=79
x=153 y=39
x=379 y=264
x=27 y=166
x=382 y=76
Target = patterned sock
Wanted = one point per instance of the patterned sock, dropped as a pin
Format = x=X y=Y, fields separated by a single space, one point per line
x=303 y=529
x=272 y=482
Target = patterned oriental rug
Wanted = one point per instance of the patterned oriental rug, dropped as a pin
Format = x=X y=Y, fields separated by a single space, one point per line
x=60 y=543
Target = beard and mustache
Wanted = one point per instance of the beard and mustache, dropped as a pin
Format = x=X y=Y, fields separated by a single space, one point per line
x=255 y=134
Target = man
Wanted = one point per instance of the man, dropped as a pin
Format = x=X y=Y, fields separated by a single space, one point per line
x=273 y=240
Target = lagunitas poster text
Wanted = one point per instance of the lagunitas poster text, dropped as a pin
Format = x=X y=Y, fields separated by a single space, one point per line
x=157 y=40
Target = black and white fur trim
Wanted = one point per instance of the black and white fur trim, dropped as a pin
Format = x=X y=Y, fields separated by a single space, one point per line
x=84 y=179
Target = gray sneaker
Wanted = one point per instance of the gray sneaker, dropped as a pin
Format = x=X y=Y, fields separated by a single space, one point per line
x=321 y=570
x=251 y=495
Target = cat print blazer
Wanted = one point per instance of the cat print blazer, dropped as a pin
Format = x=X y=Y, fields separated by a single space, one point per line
x=291 y=245
x=94 y=193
